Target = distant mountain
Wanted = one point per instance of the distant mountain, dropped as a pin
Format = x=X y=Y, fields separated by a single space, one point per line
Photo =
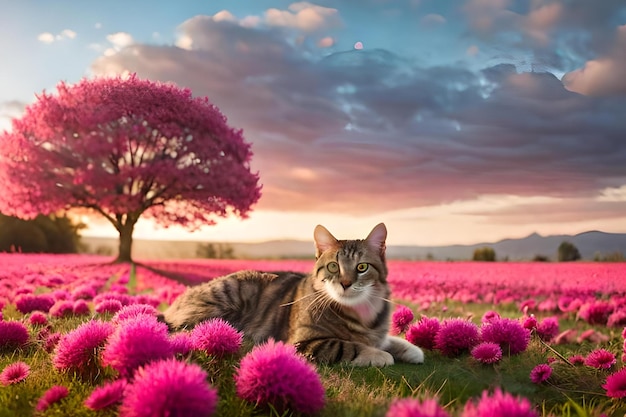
x=589 y=244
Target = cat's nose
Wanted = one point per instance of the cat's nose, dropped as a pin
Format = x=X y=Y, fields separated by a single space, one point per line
x=345 y=284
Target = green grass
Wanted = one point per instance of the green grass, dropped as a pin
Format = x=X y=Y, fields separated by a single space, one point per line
x=350 y=391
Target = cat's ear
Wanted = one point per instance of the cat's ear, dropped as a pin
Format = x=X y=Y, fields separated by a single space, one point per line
x=324 y=240
x=376 y=238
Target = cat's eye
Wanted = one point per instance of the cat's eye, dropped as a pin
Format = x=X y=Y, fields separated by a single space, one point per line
x=362 y=267
x=333 y=267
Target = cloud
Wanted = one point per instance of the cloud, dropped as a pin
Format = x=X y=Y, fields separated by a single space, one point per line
x=9 y=110
x=47 y=37
x=119 y=40
x=304 y=16
x=383 y=132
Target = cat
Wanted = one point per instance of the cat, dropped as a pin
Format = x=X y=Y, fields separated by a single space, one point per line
x=339 y=312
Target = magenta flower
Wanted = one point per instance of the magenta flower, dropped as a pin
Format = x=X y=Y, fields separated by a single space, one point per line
x=181 y=343
x=617 y=319
x=62 y=308
x=512 y=337
x=216 y=337
x=615 y=384
x=133 y=310
x=80 y=308
x=38 y=319
x=14 y=373
x=487 y=352
x=53 y=395
x=135 y=343
x=596 y=312
x=601 y=359
x=274 y=374
x=540 y=373
x=84 y=292
x=499 y=404
x=401 y=319
x=456 y=336
x=78 y=350
x=548 y=328
x=530 y=323
x=27 y=303
x=13 y=335
x=51 y=341
x=169 y=388
x=410 y=407
x=106 y=395
x=490 y=316
x=423 y=333
x=108 y=306
x=576 y=359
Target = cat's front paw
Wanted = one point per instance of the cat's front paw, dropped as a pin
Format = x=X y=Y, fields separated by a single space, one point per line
x=403 y=350
x=413 y=354
x=373 y=357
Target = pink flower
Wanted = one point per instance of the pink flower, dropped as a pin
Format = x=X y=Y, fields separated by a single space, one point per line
x=14 y=373
x=456 y=336
x=62 y=308
x=410 y=407
x=169 y=388
x=576 y=359
x=401 y=319
x=596 y=312
x=133 y=310
x=13 y=334
x=84 y=292
x=601 y=359
x=548 y=328
x=423 y=333
x=274 y=374
x=181 y=343
x=617 y=319
x=108 y=306
x=487 y=352
x=530 y=323
x=540 y=373
x=615 y=384
x=106 y=395
x=78 y=350
x=499 y=404
x=54 y=394
x=38 y=319
x=27 y=303
x=216 y=337
x=490 y=316
x=135 y=343
x=512 y=337
x=80 y=308
x=51 y=341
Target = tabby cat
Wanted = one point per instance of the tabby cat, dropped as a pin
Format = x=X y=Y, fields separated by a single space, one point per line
x=338 y=313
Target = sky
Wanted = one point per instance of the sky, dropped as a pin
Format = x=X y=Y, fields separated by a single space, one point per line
x=451 y=121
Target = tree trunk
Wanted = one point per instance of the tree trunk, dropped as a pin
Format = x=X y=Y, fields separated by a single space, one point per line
x=126 y=242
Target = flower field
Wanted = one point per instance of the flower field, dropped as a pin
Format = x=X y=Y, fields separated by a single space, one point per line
x=79 y=336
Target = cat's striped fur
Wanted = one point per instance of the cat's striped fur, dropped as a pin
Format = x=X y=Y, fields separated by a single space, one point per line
x=338 y=313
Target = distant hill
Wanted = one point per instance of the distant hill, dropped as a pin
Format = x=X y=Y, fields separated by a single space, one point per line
x=589 y=244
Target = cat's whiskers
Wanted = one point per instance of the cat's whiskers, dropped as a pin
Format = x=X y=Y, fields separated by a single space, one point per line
x=301 y=298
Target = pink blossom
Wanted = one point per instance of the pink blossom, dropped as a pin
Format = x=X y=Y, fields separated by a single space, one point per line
x=108 y=306
x=216 y=337
x=169 y=388
x=576 y=359
x=596 y=312
x=540 y=373
x=548 y=328
x=62 y=308
x=512 y=337
x=527 y=305
x=411 y=407
x=80 y=308
x=13 y=335
x=592 y=336
x=487 y=352
x=498 y=405
x=181 y=343
x=106 y=395
x=53 y=395
x=51 y=341
x=84 y=292
x=490 y=316
x=601 y=359
x=401 y=319
x=423 y=333
x=136 y=342
x=78 y=349
x=14 y=373
x=274 y=374
x=615 y=384
x=133 y=310
x=456 y=336
x=27 y=303
x=617 y=318
x=38 y=319
x=530 y=323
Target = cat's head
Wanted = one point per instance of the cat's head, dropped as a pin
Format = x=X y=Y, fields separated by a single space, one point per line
x=351 y=271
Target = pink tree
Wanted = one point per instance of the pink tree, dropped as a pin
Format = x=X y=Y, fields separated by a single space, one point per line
x=125 y=148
